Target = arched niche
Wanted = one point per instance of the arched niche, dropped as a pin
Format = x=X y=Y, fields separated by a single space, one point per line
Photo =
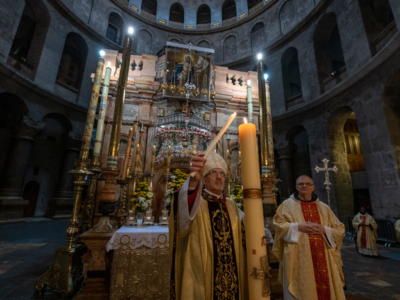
x=115 y=28
x=291 y=78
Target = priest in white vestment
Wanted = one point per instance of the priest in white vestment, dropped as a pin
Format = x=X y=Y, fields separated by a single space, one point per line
x=308 y=239
x=367 y=233
x=207 y=254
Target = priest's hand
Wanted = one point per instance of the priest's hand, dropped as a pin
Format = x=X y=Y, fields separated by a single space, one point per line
x=311 y=228
x=197 y=165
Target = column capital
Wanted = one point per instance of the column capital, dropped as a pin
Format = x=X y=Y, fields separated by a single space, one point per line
x=285 y=152
x=28 y=127
x=73 y=141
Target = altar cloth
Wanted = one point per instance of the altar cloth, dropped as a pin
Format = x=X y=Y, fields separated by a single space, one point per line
x=134 y=237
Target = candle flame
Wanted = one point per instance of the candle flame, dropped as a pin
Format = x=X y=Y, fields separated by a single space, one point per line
x=245 y=120
x=109 y=64
x=234 y=113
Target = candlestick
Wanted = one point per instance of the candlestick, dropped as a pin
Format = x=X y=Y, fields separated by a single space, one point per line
x=132 y=148
x=102 y=114
x=249 y=102
x=119 y=105
x=127 y=151
x=168 y=160
x=257 y=260
x=265 y=163
x=270 y=139
x=217 y=138
x=153 y=158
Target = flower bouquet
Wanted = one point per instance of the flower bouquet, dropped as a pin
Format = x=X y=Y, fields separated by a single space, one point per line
x=237 y=196
x=141 y=201
x=177 y=179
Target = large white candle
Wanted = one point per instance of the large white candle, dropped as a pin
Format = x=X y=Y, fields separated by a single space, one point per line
x=102 y=113
x=249 y=102
x=254 y=220
x=217 y=138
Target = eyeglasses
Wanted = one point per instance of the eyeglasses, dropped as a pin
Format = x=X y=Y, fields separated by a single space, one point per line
x=214 y=173
x=305 y=184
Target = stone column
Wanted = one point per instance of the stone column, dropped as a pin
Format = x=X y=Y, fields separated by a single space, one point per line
x=63 y=200
x=11 y=202
x=286 y=171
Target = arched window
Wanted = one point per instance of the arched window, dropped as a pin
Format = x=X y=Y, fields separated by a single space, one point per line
x=204 y=44
x=252 y=3
x=378 y=21
x=228 y=9
x=73 y=62
x=257 y=36
x=230 y=48
x=57 y=128
x=149 y=6
x=115 y=28
x=328 y=50
x=177 y=13
x=291 y=78
x=204 y=14
x=31 y=34
x=23 y=38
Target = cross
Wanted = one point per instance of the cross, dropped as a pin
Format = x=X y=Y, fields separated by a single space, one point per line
x=327 y=183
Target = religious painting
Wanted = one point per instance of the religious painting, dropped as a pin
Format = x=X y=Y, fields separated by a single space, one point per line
x=187 y=71
x=160 y=112
x=207 y=116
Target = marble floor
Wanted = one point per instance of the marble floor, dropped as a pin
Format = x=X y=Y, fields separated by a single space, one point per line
x=27 y=250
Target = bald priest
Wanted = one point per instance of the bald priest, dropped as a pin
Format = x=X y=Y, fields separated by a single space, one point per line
x=307 y=243
x=207 y=248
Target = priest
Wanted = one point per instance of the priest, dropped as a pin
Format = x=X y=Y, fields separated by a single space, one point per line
x=367 y=233
x=207 y=250
x=307 y=243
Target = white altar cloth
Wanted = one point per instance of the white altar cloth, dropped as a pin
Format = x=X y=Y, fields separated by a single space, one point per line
x=134 y=237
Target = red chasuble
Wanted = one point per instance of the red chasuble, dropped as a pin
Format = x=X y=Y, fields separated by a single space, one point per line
x=317 y=246
x=363 y=232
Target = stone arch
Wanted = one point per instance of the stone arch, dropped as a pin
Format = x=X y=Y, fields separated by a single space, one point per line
x=291 y=77
x=31 y=34
x=57 y=128
x=144 y=42
x=294 y=160
x=204 y=14
x=230 y=48
x=328 y=48
x=73 y=61
x=149 y=6
x=286 y=16
x=177 y=13
x=203 y=43
x=115 y=28
x=257 y=36
x=379 y=23
x=338 y=148
x=229 y=10
x=12 y=110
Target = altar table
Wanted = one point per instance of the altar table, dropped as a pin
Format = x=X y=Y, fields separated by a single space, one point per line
x=140 y=267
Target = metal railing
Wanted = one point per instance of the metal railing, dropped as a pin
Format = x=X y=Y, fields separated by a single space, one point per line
x=386 y=230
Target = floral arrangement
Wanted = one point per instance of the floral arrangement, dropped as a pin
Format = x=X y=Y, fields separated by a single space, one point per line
x=177 y=179
x=142 y=198
x=237 y=196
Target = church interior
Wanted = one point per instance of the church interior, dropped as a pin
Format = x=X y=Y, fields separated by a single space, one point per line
x=104 y=103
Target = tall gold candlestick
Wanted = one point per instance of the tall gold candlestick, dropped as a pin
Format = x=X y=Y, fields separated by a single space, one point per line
x=153 y=158
x=270 y=132
x=265 y=163
x=119 y=105
x=128 y=150
x=168 y=160
x=257 y=260
x=130 y=160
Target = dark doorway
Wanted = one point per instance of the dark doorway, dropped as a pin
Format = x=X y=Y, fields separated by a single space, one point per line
x=31 y=193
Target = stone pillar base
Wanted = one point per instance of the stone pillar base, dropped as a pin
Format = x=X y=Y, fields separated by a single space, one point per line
x=60 y=208
x=12 y=208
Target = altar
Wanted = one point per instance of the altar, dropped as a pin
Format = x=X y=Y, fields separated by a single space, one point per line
x=140 y=267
